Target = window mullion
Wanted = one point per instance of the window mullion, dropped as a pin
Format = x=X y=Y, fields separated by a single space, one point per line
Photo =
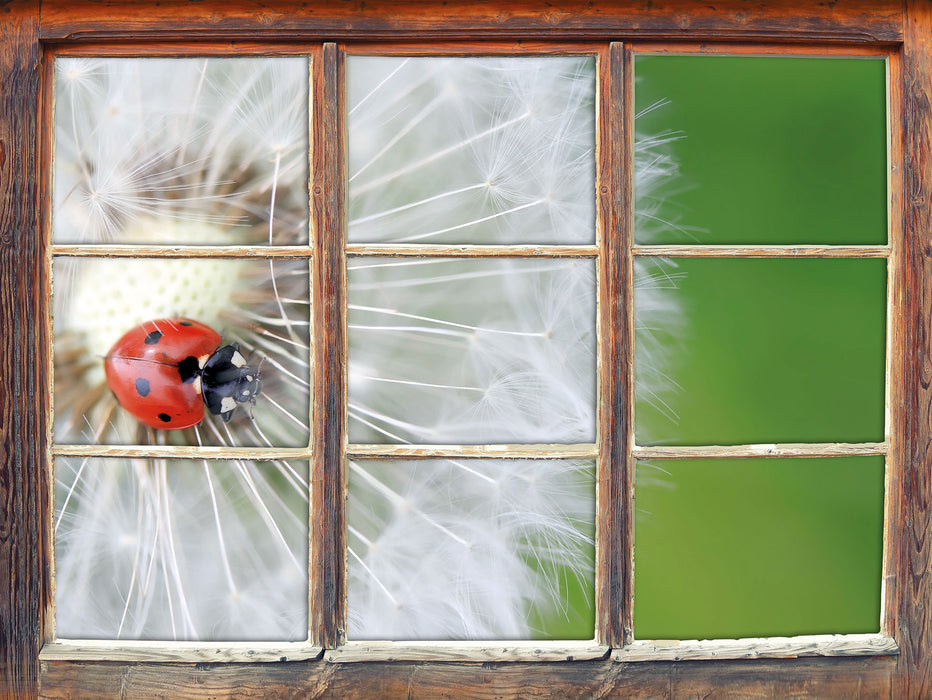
x=327 y=613
x=614 y=544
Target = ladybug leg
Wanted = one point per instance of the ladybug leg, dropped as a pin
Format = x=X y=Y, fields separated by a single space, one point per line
x=258 y=376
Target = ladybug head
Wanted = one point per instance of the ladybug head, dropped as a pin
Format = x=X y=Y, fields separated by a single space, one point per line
x=248 y=386
x=227 y=381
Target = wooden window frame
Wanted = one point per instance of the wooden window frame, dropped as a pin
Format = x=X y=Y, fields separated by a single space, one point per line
x=901 y=29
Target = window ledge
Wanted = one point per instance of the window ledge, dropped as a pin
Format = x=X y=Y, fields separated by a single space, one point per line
x=177 y=652
x=477 y=651
x=758 y=648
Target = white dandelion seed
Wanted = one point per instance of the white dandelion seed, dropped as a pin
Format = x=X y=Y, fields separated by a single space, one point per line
x=214 y=152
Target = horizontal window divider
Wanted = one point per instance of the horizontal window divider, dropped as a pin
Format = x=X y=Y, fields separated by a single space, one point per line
x=758 y=648
x=177 y=652
x=648 y=48
x=772 y=251
x=253 y=48
x=357 y=250
x=256 y=454
x=468 y=651
x=788 y=449
x=181 y=251
x=493 y=47
x=536 y=451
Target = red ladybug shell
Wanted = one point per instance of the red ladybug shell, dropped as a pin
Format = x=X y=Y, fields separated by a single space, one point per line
x=143 y=372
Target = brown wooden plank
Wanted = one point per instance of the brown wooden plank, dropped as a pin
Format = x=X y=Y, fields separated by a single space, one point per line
x=328 y=538
x=24 y=581
x=761 y=49
x=854 y=21
x=782 y=678
x=912 y=398
x=614 y=521
x=473 y=48
x=896 y=353
x=254 y=47
x=21 y=490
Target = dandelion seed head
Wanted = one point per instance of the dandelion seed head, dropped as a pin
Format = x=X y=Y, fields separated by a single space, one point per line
x=104 y=302
x=441 y=351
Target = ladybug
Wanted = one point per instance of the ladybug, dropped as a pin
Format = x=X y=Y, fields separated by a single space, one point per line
x=165 y=371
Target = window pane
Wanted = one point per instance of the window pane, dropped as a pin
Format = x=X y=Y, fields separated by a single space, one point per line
x=172 y=549
x=181 y=151
x=757 y=547
x=765 y=351
x=769 y=149
x=98 y=300
x=471 y=351
x=471 y=150
x=471 y=549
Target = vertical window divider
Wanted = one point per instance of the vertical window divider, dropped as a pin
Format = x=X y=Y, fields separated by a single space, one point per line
x=894 y=370
x=327 y=604
x=615 y=470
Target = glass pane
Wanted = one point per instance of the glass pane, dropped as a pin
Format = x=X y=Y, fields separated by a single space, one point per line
x=262 y=306
x=206 y=151
x=471 y=351
x=172 y=549
x=757 y=547
x=484 y=549
x=769 y=149
x=765 y=351
x=471 y=150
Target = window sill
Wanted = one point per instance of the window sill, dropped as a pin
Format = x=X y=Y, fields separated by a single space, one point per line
x=758 y=648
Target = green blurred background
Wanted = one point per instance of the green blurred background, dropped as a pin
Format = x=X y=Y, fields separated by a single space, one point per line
x=772 y=149
x=780 y=151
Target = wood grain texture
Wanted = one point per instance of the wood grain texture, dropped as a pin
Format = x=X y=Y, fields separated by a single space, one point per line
x=773 y=251
x=479 y=651
x=24 y=579
x=585 y=451
x=474 y=47
x=787 y=449
x=181 y=251
x=851 y=22
x=912 y=399
x=178 y=652
x=328 y=527
x=896 y=353
x=472 y=251
x=853 y=679
x=765 y=648
x=761 y=48
x=257 y=454
x=615 y=468
x=138 y=27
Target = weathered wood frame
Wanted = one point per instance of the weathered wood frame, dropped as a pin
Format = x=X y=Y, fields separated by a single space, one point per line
x=902 y=28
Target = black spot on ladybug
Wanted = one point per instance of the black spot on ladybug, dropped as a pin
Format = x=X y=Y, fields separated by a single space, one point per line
x=153 y=337
x=189 y=368
x=186 y=323
x=142 y=386
x=165 y=418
